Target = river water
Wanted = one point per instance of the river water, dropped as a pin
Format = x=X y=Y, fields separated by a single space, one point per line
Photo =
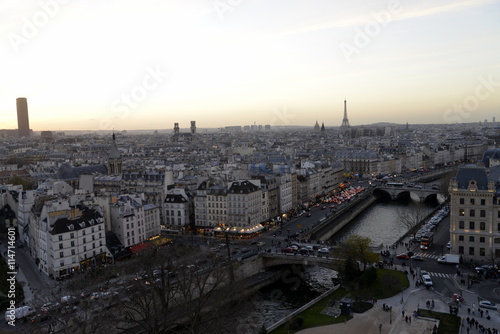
x=381 y=222
x=293 y=290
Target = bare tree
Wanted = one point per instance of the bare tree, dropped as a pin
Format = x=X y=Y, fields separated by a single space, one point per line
x=178 y=287
x=411 y=217
x=203 y=289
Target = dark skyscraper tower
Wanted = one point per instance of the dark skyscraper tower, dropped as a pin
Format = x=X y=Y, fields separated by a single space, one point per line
x=23 y=122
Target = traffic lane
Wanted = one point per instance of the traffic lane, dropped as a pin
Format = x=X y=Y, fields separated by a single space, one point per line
x=487 y=290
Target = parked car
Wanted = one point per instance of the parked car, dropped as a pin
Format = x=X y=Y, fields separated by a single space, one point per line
x=261 y=244
x=288 y=250
x=487 y=304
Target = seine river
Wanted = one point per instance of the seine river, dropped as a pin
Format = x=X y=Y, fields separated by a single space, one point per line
x=380 y=222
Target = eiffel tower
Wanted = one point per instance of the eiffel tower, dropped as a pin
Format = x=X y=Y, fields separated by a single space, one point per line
x=345 y=121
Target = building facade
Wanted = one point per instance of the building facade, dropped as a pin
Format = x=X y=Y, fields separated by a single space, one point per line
x=475 y=216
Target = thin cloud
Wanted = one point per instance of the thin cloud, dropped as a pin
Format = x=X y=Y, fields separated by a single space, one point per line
x=404 y=15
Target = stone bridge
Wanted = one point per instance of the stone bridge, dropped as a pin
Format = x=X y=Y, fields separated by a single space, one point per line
x=272 y=259
x=416 y=194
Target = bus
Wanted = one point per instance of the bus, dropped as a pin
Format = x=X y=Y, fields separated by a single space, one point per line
x=394 y=184
x=426 y=240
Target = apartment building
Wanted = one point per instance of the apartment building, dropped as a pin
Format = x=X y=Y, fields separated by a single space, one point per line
x=475 y=215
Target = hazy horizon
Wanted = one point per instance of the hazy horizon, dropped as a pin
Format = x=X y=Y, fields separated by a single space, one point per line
x=123 y=65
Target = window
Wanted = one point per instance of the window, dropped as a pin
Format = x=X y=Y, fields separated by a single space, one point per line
x=482 y=240
x=72 y=244
x=461 y=224
x=460 y=249
x=72 y=235
x=83 y=232
x=84 y=248
x=498 y=214
x=462 y=201
x=472 y=213
x=482 y=226
x=482 y=213
x=460 y=238
x=62 y=263
x=472 y=226
x=483 y=201
x=472 y=201
x=482 y=251
x=461 y=212
x=60 y=238
x=60 y=246
x=471 y=250
x=84 y=240
x=471 y=239
x=73 y=252
x=61 y=254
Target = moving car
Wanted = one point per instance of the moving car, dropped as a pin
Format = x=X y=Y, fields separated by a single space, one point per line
x=427 y=280
x=323 y=251
x=457 y=297
x=487 y=304
x=417 y=258
x=403 y=256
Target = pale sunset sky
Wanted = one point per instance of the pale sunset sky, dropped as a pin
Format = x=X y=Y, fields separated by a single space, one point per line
x=125 y=65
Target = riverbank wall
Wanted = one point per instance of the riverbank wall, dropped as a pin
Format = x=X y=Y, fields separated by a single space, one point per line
x=335 y=223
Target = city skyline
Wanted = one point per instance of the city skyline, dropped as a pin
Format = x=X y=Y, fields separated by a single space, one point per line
x=95 y=66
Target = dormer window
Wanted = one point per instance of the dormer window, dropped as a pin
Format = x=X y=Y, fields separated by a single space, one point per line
x=71 y=227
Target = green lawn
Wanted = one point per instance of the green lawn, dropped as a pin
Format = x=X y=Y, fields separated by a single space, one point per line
x=388 y=284
x=448 y=323
x=313 y=317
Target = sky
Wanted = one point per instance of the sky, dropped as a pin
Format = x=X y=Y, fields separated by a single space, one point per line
x=127 y=65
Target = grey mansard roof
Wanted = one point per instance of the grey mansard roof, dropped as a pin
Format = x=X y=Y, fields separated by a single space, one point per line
x=88 y=218
x=66 y=172
x=472 y=172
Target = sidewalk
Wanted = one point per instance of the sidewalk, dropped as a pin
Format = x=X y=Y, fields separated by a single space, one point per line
x=409 y=300
x=391 y=321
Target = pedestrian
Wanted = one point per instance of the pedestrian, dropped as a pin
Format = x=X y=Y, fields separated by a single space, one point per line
x=403 y=312
x=409 y=319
